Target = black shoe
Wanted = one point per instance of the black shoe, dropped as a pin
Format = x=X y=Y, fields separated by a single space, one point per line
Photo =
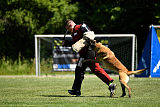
x=112 y=88
x=74 y=92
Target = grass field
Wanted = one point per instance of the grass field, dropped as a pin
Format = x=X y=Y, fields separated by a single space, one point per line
x=52 y=91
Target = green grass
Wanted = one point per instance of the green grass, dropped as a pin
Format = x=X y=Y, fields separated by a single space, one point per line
x=17 y=67
x=52 y=91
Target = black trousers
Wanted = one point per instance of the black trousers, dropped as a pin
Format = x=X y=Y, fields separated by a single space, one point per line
x=81 y=67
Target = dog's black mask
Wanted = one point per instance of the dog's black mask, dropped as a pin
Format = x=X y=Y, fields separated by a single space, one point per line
x=90 y=42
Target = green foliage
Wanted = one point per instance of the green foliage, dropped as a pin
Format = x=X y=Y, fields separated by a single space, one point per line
x=156 y=11
x=101 y=15
x=18 y=67
x=39 y=15
x=119 y=16
x=20 y=20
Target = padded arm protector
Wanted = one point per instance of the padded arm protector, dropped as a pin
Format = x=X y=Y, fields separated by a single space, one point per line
x=82 y=42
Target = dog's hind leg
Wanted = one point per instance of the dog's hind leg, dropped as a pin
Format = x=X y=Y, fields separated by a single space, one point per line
x=123 y=90
x=124 y=80
x=126 y=85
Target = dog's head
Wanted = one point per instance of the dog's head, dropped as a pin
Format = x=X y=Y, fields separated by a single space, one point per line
x=91 y=42
x=94 y=45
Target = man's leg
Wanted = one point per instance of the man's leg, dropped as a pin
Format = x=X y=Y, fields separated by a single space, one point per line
x=79 y=76
x=99 y=72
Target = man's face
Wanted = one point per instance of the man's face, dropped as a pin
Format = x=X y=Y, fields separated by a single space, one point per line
x=69 y=26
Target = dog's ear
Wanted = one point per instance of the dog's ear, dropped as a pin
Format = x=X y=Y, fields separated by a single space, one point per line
x=92 y=42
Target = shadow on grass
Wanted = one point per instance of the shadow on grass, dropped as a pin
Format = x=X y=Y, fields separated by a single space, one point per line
x=74 y=96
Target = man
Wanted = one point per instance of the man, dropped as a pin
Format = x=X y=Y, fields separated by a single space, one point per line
x=77 y=32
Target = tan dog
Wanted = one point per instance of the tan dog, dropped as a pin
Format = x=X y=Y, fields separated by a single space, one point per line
x=109 y=59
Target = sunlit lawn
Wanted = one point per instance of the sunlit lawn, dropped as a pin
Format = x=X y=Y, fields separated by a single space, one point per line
x=52 y=91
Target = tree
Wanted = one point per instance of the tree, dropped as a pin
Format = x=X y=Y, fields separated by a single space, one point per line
x=20 y=20
x=120 y=16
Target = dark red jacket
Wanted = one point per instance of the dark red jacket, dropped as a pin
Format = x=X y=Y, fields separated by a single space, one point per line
x=77 y=34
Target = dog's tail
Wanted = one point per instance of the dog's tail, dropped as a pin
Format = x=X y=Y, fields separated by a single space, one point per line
x=137 y=71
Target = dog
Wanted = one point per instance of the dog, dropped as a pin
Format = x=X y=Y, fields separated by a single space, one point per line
x=109 y=59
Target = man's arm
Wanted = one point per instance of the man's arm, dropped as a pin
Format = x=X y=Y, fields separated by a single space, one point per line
x=85 y=28
x=67 y=43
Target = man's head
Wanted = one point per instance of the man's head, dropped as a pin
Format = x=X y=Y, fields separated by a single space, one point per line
x=70 y=25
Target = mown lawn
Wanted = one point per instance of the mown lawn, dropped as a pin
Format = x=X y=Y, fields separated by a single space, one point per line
x=52 y=92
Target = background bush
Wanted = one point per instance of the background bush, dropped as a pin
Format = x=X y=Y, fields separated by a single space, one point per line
x=20 y=20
